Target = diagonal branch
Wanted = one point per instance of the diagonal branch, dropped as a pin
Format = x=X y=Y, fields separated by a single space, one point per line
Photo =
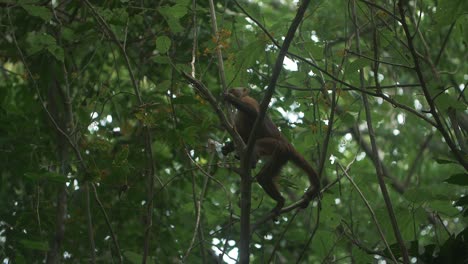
x=378 y=167
x=430 y=100
x=147 y=133
x=274 y=77
x=334 y=78
x=371 y=211
x=205 y=92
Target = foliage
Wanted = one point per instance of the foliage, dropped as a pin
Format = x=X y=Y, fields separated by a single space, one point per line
x=100 y=132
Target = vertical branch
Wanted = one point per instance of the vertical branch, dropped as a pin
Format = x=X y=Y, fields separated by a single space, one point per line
x=106 y=218
x=92 y=246
x=311 y=236
x=246 y=182
x=195 y=37
x=53 y=255
x=378 y=167
x=280 y=238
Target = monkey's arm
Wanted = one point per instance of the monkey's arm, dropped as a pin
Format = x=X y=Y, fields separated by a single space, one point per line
x=249 y=109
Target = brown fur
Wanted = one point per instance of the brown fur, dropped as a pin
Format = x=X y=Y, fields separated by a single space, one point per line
x=269 y=142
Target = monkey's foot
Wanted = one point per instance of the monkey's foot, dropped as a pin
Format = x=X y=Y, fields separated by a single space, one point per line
x=305 y=202
x=309 y=195
x=277 y=210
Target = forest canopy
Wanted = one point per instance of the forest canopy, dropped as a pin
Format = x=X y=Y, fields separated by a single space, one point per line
x=113 y=117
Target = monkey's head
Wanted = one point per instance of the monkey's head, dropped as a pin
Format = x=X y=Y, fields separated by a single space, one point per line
x=239 y=92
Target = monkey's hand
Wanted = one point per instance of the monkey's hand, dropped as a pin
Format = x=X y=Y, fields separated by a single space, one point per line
x=225 y=151
x=227 y=148
x=230 y=97
x=277 y=210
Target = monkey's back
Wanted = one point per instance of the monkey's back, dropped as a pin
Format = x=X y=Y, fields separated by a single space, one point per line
x=245 y=123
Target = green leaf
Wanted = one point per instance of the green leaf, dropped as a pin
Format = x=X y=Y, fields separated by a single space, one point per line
x=43 y=41
x=68 y=34
x=172 y=14
x=356 y=65
x=191 y=133
x=121 y=157
x=163 y=44
x=176 y=11
x=175 y=25
x=161 y=59
x=458 y=179
x=444 y=207
x=119 y=17
x=348 y=118
x=444 y=101
x=38 y=11
x=315 y=49
x=37 y=245
x=443 y=192
x=46 y=176
x=183 y=2
x=133 y=257
x=185 y=99
x=57 y=52
x=249 y=54
x=449 y=11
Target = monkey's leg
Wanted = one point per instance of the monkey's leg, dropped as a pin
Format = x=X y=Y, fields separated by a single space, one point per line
x=268 y=174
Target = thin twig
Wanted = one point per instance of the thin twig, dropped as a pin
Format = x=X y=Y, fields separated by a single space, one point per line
x=382 y=9
x=427 y=94
x=278 y=240
x=351 y=87
x=444 y=44
x=375 y=153
x=296 y=205
x=371 y=211
x=92 y=245
x=314 y=231
x=375 y=60
x=195 y=232
x=418 y=158
x=147 y=133
x=106 y=218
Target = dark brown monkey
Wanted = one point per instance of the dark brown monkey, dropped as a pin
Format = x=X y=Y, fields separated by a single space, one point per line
x=269 y=142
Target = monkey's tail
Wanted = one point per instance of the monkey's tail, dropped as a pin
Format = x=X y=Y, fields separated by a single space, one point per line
x=300 y=162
